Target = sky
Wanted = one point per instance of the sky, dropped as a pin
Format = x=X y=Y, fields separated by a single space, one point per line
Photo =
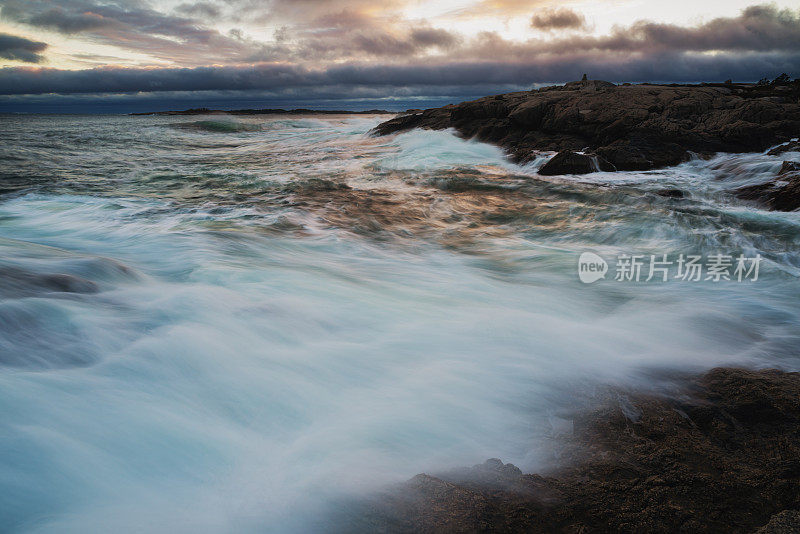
x=136 y=55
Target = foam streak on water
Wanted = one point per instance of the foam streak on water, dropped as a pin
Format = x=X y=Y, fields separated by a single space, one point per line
x=232 y=324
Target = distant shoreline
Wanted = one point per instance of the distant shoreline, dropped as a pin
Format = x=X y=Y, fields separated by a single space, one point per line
x=300 y=111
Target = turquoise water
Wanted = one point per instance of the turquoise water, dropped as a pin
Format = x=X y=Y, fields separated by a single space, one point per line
x=229 y=324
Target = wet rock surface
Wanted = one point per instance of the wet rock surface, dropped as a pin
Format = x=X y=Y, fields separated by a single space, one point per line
x=792 y=146
x=786 y=522
x=633 y=127
x=567 y=162
x=723 y=455
x=780 y=194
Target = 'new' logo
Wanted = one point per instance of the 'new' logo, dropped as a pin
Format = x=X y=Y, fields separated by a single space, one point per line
x=591 y=267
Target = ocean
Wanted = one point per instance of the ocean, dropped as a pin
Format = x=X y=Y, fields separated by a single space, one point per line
x=241 y=324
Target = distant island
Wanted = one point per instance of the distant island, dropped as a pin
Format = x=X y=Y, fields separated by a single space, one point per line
x=300 y=111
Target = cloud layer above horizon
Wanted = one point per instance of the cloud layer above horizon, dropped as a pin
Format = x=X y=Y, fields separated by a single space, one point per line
x=363 y=49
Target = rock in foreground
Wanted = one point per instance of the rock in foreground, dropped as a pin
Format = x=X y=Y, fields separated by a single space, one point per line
x=780 y=194
x=572 y=163
x=632 y=127
x=723 y=458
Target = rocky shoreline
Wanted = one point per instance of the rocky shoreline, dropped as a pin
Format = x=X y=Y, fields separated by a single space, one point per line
x=599 y=126
x=721 y=455
x=622 y=127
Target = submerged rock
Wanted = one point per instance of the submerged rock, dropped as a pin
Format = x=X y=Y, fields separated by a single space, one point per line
x=780 y=194
x=16 y=282
x=721 y=456
x=633 y=127
x=671 y=193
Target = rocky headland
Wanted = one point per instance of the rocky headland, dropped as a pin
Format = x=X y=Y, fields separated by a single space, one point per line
x=620 y=127
x=722 y=454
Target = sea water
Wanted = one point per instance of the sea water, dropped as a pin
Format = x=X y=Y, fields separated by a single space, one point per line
x=227 y=324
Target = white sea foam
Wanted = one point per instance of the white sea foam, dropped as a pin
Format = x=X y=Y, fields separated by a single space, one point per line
x=430 y=150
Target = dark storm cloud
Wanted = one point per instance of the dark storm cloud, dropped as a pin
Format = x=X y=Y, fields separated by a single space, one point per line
x=387 y=79
x=434 y=37
x=131 y=25
x=380 y=43
x=558 y=19
x=21 y=49
x=758 y=28
x=64 y=22
x=68 y=16
x=85 y=16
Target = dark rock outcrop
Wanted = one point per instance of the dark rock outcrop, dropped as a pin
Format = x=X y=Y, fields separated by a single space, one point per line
x=723 y=456
x=780 y=194
x=789 y=168
x=633 y=127
x=573 y=163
